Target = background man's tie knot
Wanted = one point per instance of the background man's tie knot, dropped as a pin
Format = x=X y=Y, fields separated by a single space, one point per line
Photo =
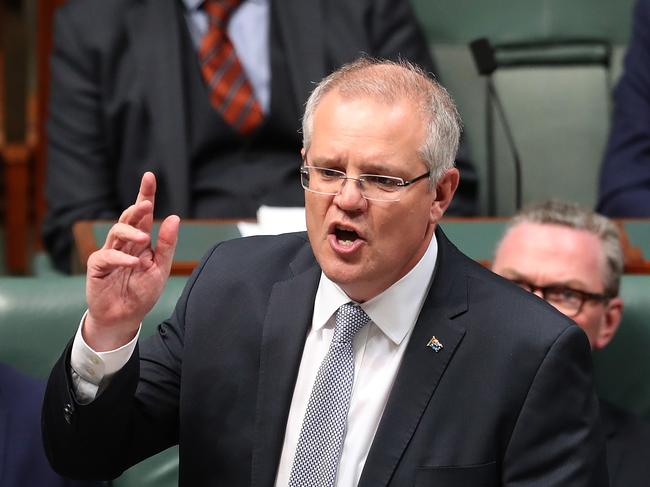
x=219 y=11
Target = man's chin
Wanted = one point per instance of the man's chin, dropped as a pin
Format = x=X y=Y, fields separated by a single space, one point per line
x=343 y=272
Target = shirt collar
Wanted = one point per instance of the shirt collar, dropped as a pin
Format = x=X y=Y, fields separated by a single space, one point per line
x=395 y=310
x=196 y=4
x=192 y=4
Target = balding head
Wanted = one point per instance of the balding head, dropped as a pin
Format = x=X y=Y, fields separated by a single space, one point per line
x=570 y=256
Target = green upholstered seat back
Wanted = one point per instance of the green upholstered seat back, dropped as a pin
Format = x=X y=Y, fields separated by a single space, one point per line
x=460 y=21
x=39 y=315
x=623 y=367
x=559 y=115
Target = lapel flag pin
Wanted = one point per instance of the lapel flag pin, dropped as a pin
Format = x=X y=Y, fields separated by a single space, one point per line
x=435 y=344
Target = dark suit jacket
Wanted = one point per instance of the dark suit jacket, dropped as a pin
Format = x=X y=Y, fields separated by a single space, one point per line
x=507 y=401
x=628 y=447
x=22 y=458
x=624 y=189
x=117 y=107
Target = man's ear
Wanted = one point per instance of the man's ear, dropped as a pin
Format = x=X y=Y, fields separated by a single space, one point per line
x=302 y=153
x=611 y=321
x=444 y=192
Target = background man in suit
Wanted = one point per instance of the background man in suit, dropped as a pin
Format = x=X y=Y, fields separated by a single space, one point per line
x=624 y=188
x=572 y=257
x=22 y=458
x=252 y=374
x=129 y=94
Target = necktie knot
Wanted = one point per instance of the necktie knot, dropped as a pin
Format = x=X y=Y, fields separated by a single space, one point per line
x=219 y=11
x=350 y=318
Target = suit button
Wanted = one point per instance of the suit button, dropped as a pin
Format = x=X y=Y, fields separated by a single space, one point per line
x=67 y=413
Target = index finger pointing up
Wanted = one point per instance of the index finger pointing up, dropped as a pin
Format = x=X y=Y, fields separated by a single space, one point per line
x=147 y=192
x=147 y=188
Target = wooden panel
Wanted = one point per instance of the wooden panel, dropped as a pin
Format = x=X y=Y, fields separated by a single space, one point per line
x=194 y=240
x=476 y=237
x=14 y=158
x=16 y=174
x=44 y=29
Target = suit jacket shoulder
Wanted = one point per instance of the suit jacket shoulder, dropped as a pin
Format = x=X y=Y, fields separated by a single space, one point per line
x=97 y=22
x=625 y=171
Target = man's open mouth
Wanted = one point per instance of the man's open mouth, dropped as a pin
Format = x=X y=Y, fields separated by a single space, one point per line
x=345 y=236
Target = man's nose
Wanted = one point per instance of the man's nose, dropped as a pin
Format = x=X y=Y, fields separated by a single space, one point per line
x=350 y=197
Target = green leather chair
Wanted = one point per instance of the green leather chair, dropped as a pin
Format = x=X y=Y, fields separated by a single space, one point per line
x=39 y=315
x=623 y=367
x=559 y=114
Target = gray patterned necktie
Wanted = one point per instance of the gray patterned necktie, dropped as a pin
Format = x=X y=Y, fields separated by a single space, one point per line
x=323 y=428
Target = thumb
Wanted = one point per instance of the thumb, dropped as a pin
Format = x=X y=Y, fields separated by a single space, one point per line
x=167 y=239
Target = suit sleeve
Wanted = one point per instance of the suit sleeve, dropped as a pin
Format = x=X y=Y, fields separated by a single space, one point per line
x=625 y=174
x=396 y=33
x=79 y=182
x=134 y=417
x=557 y=439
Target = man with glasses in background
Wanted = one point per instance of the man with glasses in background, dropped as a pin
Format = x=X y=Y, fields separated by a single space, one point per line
x=367 y=352
x=572 y=258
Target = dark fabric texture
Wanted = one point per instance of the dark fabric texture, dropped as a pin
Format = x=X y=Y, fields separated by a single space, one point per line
x=628 y=447
x=508 y=400
x=117 y=108
x=624 y=189
x=22 y=457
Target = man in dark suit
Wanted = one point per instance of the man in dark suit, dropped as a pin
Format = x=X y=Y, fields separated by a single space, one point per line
x=22 y=458
x=624 y=189
x=573 y=258
x=367 y=352
x=128 y=95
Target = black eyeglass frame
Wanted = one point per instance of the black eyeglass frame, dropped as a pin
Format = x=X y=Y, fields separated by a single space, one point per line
x=559 y=288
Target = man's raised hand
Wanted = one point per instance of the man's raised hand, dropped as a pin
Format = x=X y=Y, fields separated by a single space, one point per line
x=126 y=276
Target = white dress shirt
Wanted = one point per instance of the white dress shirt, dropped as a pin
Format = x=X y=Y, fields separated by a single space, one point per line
x=378 y=351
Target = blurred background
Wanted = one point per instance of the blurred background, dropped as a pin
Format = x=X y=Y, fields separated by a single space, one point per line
x=556 y=64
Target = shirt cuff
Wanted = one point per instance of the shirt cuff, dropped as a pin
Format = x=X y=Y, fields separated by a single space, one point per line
x=90 y=368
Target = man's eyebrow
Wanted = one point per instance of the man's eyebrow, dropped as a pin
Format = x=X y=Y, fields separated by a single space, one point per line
x=576 y=284
x=322 y=161
x=369 y=166
x=376 y=168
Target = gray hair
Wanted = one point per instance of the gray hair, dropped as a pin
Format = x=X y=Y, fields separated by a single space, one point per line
x=391 y=81
x=571 y=215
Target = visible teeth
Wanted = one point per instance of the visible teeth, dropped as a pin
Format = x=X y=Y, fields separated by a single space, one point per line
x=345 y=243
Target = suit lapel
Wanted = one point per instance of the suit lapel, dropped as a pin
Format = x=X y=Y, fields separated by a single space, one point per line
x=286 y=325
x=421 y=367
x=154 y=31
x=300 y=24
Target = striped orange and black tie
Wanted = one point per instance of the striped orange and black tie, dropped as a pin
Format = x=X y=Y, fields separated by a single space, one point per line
x=230 y=91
